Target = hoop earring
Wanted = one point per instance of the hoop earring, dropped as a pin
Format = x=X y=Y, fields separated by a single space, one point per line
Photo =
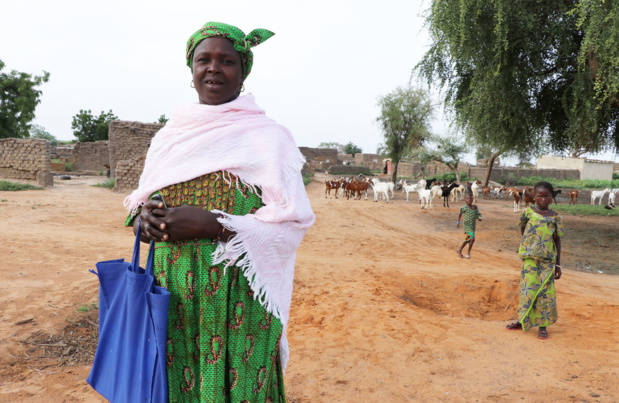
x=191 y=84
x=242 y=87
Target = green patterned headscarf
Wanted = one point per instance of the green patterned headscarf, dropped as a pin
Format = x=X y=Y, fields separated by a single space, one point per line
x=242 y=43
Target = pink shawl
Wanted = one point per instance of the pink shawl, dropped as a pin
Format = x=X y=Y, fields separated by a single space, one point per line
x=237 y=137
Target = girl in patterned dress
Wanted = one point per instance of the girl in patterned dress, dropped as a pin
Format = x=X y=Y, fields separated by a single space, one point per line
x=540 y=250
x=229 y=214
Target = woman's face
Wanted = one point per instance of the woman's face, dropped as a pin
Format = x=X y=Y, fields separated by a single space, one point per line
x=217 y=71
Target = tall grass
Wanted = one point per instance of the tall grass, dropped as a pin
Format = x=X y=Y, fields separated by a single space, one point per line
x=584 y=209
x=12 y=186
x=110 y=183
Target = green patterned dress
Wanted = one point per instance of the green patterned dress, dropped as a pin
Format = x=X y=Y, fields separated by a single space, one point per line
x=222 y=344
x=537 y=306
x=470 y=220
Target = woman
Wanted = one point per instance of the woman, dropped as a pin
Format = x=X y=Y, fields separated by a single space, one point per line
x=234 y=211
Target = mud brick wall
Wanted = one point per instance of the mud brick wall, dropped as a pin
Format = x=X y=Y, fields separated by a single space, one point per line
x=91 y=156
x=129 y=141
x=506 y=172
x=128 y=174
x=27 y=159
x=322 y=158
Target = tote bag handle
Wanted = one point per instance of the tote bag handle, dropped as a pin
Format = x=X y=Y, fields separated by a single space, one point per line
x=135 y=260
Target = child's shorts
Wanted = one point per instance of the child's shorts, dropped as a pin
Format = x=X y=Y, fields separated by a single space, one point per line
x=469 y=236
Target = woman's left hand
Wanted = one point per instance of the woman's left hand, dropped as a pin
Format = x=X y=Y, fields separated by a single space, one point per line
x=188 y=222
x=557 y=272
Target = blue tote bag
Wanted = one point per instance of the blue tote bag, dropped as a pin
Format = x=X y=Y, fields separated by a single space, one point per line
x=130 y=362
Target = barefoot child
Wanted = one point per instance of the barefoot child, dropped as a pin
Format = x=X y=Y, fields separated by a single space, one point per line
x=540 y=250
x=471 y=214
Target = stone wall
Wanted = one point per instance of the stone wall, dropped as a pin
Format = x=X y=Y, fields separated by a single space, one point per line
x=27 y=159
x=91 y=156
x=128 y=174
x=129 y=141
x=347 y=170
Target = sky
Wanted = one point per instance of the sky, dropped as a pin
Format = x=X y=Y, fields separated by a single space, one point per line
x=321 y=75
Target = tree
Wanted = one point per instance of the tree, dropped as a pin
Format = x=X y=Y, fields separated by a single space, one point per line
x=87 y=127
x=405 y=114
x=39 y=132
x=351 y=148
x=339 y=147
x=448 y=150
x=162 y=119
x=520 y=76
x=19 y=98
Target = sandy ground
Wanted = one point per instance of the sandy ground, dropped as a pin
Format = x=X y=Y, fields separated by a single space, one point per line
x=383 y=309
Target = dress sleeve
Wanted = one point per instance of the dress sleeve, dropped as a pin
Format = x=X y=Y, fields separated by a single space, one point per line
x=524 y=218
x=559 y=226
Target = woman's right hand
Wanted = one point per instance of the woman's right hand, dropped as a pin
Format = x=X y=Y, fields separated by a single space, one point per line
x=151 y=227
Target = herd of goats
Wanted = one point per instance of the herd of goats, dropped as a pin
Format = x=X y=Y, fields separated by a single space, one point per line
x=429 y=190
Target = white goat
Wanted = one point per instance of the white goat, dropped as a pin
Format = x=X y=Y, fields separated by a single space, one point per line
x=457 y=193
x=408 y=188
x=422 y=184
x=425 y=195
x=611 y=198
x=437 y=191
x=475 y=190
x=380 y=187
x=598 y=193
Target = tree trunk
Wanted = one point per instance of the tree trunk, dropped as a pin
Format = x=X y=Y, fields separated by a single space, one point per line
x=455 y=169
x=394 y=177
x=490 y=165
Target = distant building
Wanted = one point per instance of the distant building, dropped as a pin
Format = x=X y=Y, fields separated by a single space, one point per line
x=589 y=169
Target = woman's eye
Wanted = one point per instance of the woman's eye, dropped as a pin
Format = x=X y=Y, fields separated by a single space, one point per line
x=227 y=61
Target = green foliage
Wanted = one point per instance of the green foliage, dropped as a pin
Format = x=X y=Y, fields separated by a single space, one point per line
x=339 y=147
x=584 y=209
x=162 y=119
x=12 y=186
x=110 y=183
x=615 y=175
x=351 y=148
x=520 y=76
x=87 y=127
x=19 y=98
x=405 y=115
x=564 y=183
x=451 y=177
x=447 y=150
x=307 y=178
x=39 y=132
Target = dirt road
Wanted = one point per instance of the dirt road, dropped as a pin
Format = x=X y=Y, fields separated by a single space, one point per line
x=383 y=308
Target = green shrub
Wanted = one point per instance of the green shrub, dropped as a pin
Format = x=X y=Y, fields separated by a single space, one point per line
x=12 y=186
x=615 y=176
x=450 y=176
x=110 y=183
x=307 y=178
